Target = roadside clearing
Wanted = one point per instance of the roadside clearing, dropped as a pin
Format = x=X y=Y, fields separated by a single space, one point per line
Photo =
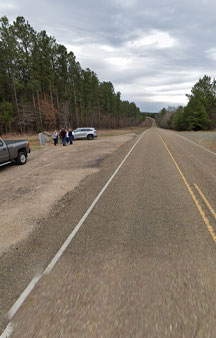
x=28 y=193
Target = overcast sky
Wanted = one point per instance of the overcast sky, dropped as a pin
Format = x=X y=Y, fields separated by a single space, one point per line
x=152 y=51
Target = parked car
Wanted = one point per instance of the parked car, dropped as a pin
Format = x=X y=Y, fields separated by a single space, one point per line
x=84 y=133
x=13 y=150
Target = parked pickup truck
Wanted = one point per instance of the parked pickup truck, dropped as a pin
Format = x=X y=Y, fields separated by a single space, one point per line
x=13 y=150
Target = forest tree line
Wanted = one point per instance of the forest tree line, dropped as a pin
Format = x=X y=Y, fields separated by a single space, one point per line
x=42 y=86
x=198 y=114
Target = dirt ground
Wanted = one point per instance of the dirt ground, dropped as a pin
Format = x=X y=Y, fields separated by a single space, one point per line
x=29 y=192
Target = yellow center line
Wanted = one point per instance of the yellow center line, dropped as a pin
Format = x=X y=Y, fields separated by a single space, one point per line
x=205 y=200
x=202 y=213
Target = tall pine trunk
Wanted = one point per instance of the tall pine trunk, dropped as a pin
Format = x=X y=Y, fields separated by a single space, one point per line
x=39 y=110
x=51 y=96
x=75 y=101
x=16 y=102
x=58 y=104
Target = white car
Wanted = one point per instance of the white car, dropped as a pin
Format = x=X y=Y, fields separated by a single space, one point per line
x=84 y=133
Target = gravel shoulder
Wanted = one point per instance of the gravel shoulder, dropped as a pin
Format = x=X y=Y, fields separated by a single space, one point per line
x=28 y=193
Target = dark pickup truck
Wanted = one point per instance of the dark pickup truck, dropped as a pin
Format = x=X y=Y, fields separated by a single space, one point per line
x=13 y=150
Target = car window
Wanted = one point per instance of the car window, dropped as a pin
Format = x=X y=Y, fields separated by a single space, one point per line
x=1 y=144
x=84 y=129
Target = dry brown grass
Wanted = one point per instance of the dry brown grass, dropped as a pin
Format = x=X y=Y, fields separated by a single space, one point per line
x=35 y=144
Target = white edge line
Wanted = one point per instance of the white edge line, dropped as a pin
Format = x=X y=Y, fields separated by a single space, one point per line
x=8 y=331
x=23 y=297
x=78 y=226
x=196 y=144
x=55 y=259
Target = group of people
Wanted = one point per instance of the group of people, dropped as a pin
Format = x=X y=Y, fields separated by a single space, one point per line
x=64 y=135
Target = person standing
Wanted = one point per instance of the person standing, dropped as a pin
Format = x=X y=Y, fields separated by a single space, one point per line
x=55 y=137
x=70 y=136
x=60 y=136
x=63 y=135
x=67 y=136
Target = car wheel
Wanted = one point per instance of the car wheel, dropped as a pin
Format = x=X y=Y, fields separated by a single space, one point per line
x=21 y=158
x=90 y=137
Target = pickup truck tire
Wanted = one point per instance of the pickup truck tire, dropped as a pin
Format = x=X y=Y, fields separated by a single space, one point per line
x=21 y=158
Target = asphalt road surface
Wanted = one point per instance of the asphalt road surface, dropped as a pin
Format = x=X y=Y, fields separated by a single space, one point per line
x=143 y=262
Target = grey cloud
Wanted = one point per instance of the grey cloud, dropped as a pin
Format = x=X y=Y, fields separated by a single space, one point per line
x=88 y=25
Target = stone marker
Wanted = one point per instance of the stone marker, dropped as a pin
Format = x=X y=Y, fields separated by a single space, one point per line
x=42 y=139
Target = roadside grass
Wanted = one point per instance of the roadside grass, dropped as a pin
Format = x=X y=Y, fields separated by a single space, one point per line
x=205 y=138
x=121 y=131
x=35 y=143
x=32 y=138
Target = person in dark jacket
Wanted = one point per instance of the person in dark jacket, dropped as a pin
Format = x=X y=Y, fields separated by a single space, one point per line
x=63 y=135
x=70 y=136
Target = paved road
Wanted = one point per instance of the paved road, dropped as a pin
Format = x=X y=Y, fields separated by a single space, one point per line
x=143 y=263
